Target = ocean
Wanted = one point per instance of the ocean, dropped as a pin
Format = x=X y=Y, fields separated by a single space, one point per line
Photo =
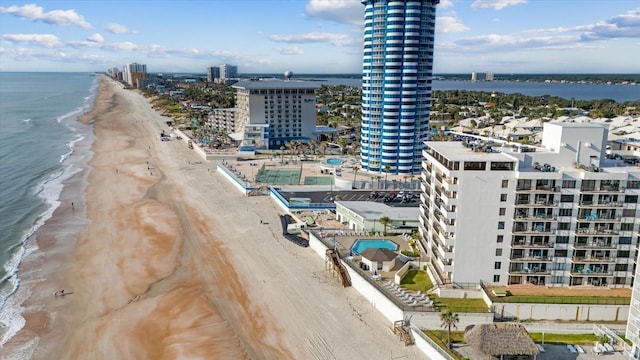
x=38 y=133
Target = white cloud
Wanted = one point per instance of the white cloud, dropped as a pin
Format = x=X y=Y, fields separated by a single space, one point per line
x=56 y=17
x=119 y=29
x=445 y=4
x=450 y=24
x=495 y=4
x=46 y=40
x=291 y=50
x=341 y=11
x=335 y=39
x=97 y=38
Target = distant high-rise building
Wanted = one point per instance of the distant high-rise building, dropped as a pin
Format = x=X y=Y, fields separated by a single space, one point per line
x=228 y=71
x=488 y=76
x=213 y=74
x=396 y=83
x=134 y=74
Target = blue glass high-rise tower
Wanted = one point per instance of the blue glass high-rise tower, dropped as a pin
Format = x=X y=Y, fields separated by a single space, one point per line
x=396 y=83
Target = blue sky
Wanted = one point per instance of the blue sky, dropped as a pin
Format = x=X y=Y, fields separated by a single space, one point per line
x=313 y=36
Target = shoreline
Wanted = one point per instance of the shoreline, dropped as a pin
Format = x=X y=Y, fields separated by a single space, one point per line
x=173 y=262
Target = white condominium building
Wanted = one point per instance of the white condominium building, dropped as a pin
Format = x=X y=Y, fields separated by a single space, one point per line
x=633 y=323
x=286 y=108
x=557 y=215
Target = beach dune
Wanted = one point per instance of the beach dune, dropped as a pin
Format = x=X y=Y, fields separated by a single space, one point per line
x=174 y=264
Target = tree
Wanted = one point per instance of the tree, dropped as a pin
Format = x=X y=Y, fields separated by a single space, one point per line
x=355 y=173
x=385 y=221
x=449 y=319
x=387 y=168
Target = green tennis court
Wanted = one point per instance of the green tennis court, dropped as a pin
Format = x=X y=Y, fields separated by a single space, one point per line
x=279 y=176
x=318 y=180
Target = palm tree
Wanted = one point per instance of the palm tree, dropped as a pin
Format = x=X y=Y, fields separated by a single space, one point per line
x=355 y=173
x=387 y=168
x=449 y=319
x=385 y=221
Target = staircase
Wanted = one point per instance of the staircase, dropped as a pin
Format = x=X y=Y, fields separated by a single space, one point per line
x=401 y=328
x=338 y=267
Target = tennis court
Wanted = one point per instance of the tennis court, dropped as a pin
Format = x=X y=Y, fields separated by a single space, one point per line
x=318 y=180
x=279 y=176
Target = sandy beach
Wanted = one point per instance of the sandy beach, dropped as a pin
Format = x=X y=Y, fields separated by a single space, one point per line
x=163 y=259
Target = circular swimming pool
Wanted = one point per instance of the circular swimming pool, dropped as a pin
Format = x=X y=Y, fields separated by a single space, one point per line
x=361 y=245
x=335 y=161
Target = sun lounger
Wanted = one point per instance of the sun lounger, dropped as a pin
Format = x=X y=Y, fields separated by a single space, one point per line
x=540 y=347
x=608 y=347
x=571 y=349
x=579 y=349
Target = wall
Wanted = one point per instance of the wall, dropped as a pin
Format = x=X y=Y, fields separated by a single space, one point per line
x=570 y=312
x=222 y=170
x=200 y=151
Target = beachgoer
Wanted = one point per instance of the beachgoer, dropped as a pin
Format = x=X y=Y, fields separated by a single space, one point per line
x=72 y=205
x=260 y=221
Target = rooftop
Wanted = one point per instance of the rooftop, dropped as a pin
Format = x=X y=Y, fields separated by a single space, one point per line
x=276 y=84
x=371 y=210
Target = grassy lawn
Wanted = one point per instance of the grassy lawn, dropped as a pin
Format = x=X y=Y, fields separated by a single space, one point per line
x=541 y=299
x=440 y=338
x=459 y=305
x=416 y=280
x=561 y=339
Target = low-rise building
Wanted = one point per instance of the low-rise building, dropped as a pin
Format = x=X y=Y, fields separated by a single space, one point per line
x=365 y=216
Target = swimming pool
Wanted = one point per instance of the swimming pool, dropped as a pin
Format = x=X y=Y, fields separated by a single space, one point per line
x=334 y=161
x=361 y=245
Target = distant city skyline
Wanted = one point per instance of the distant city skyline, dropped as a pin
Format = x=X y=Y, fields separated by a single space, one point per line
x=314 y=36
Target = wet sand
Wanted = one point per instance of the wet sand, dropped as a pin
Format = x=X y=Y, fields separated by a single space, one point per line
x=172 y=262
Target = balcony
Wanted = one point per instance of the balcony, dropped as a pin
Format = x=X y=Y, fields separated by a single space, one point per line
x=526 y=270
x=529 y=244
x=596 y=231
x=589 y=204
x=531 y=258
x=595 y=245
x=592 y=259
x=589 y=272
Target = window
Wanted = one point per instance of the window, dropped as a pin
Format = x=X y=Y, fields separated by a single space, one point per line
x=560 y=253
x=621 y=267
x=564 y=226
x=505 y=184
x=475 y=165
x=499 y=238
x=562 y=239
x=566 y=198
x=626 y=226
x=628 y=212
x=502 y=211
x=497 y=265
x=499 y=252
x=623 y=254
x=565 y=212
x=568 y=184
x=624 y=240
x=633 y=199
x=503 y=197
x=633 y=184
x=500 y=225
x=496 y=278
x=501 y=165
